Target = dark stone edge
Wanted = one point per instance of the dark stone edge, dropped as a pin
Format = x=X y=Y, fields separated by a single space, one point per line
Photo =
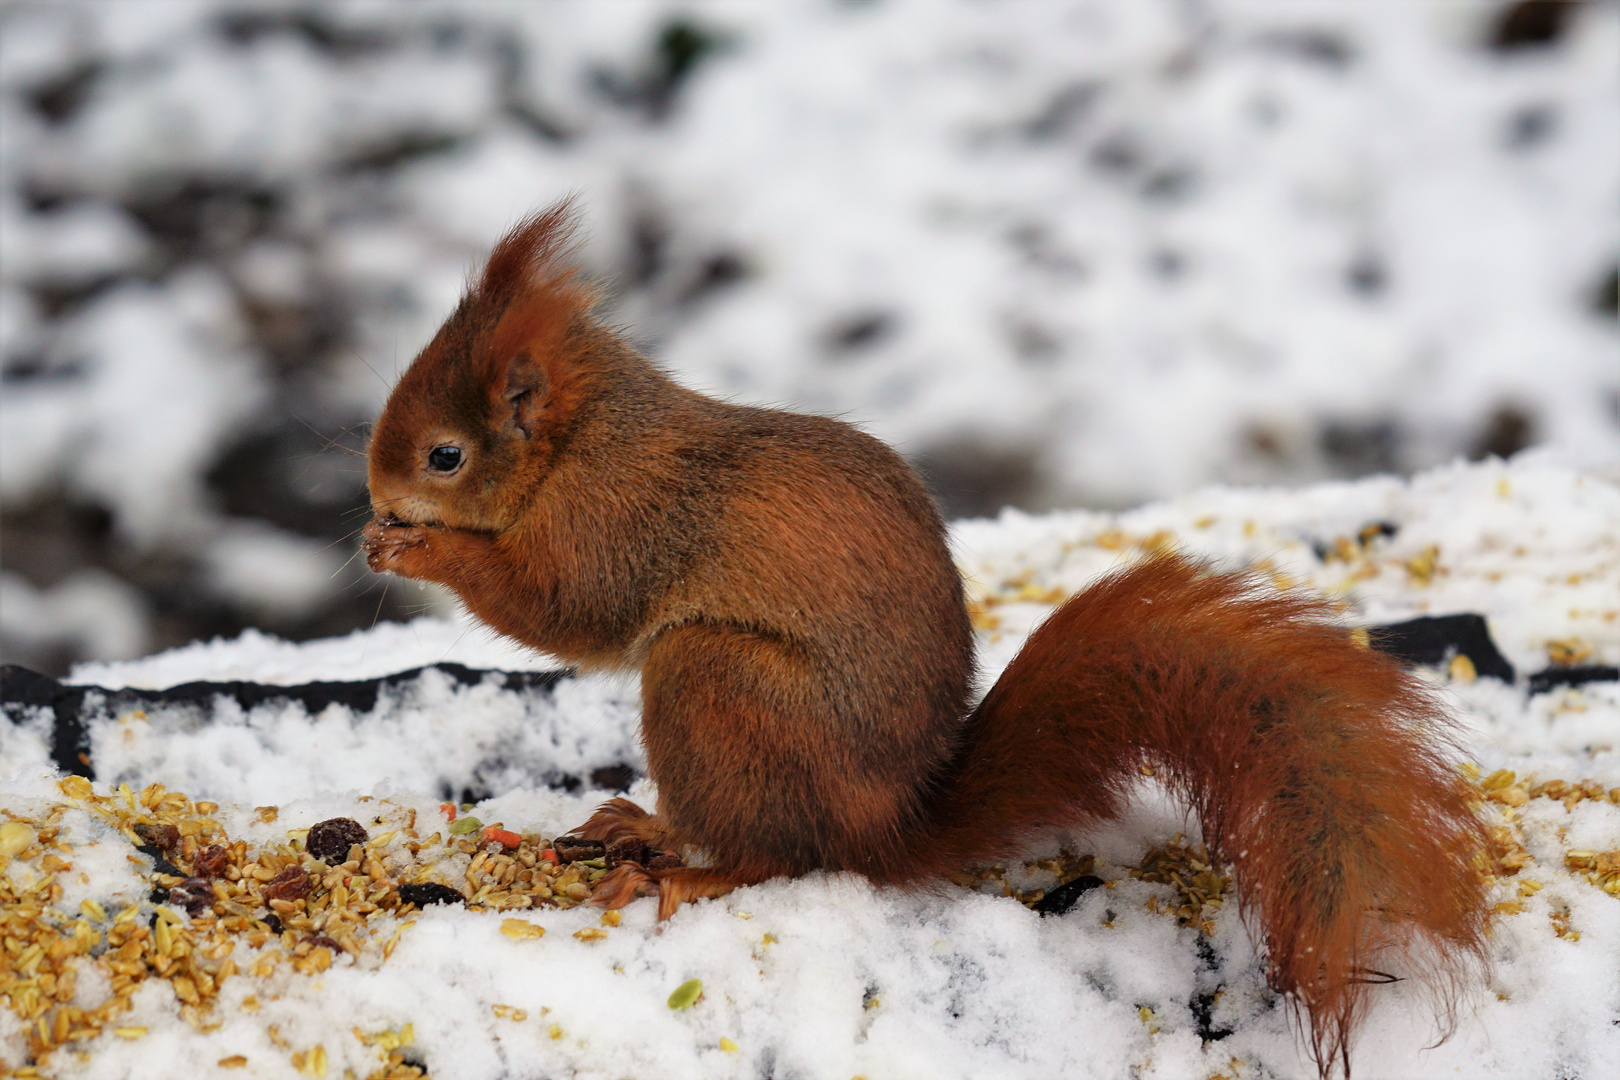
x=70 y=740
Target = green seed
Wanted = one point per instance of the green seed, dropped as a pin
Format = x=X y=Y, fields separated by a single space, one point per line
x=462 y=826
x=686 y=993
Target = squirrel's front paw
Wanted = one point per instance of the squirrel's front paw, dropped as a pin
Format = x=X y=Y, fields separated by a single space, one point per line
x=389 y=545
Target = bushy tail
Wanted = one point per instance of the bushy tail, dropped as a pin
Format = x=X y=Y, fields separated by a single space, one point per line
x=1316 y=766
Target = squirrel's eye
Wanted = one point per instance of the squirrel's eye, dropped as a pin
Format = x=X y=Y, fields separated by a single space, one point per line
x=444 y=458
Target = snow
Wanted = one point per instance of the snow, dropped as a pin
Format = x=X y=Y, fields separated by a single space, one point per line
x=827 y=976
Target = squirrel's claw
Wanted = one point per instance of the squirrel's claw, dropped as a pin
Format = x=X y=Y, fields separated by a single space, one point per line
x=623 y=884
x=673 y=887
x=385 y=541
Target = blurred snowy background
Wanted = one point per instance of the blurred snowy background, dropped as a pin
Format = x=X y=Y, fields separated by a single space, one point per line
x=1081 y=253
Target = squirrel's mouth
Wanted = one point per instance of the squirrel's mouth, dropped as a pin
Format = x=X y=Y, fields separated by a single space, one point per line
x=406 y=512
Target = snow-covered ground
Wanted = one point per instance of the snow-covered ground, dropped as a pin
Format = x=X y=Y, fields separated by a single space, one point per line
x=1073 y=253
x=827 y=977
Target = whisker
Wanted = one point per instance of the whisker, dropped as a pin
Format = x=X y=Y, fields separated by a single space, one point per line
x=345 y=539
x=345 y=565
x=356 y=353
x=330 y=442
x=465 y=630
x=375 y=616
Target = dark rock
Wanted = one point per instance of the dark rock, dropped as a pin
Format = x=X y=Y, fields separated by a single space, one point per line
x=70 y=743
x=1605 y=300
x=859 y=331
x=1531 y=126
x=401 y=149
x=1062 y=112
x=160 y=864
x=304 y=479
x=1316 y=45
x=1531 y=24
x=614 y=777
x=423 y=893
x=972 y=478
x=330 y=840
x=1433 y=640
x=338 y=38
x=715 y=273
x=1543 y=681
x=1357 y=448
x=1203 y=1003
x=1508 y=430
x=273 y=921
x=1367 y=275
x=1062 y=899
x=60 y=98
x=681 y=46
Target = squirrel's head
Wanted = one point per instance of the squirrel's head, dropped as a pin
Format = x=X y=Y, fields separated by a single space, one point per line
x=478 y=417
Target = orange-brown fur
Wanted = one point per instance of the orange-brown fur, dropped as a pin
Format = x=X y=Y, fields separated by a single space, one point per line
x=783 y=585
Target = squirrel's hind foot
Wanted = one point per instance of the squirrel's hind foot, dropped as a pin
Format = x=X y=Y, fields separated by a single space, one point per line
x=621 y=819
x=623 y=884
x=674 y=887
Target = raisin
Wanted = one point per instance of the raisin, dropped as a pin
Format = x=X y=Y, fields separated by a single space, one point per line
x=291 y=884
x=212 y=860
x=330 y=840
x=628 y=849
x=574 y=848
x=319 y=941
x=423 y=893
x=196 y=895
x=164 y=837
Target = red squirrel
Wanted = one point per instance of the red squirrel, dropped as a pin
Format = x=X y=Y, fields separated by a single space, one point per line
x=783 y=585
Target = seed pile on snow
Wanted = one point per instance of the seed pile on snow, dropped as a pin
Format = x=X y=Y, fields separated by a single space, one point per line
x=224 y=911
x=219 y=908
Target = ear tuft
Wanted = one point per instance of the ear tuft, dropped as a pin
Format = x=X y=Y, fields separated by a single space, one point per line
x=535 y=253
x=533 y=297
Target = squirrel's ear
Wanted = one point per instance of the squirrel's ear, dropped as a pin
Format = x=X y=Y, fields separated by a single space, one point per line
x=524 y=392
